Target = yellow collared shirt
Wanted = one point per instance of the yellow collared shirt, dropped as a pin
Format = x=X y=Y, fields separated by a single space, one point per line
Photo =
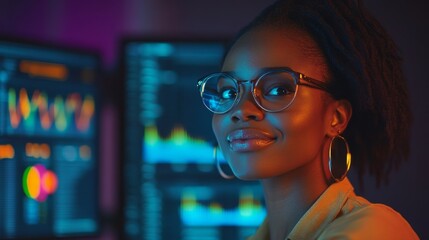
x=339 y=214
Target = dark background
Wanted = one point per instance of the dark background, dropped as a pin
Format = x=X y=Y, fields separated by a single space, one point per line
x=101 y=24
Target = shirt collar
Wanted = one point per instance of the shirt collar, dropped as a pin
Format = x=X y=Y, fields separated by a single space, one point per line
x=320 y=214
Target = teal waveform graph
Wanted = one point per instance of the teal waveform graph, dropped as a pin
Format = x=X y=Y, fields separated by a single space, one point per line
x=249 y=211
x=178 y=148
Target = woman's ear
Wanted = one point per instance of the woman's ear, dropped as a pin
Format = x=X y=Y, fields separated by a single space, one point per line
x=341 y=114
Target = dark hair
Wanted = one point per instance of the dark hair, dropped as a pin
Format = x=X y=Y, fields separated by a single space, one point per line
x=366 y=69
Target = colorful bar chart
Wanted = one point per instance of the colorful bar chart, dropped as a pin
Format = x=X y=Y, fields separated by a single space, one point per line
x=39 y=113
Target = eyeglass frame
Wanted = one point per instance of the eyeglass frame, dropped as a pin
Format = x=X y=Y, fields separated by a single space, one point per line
x=311 y=82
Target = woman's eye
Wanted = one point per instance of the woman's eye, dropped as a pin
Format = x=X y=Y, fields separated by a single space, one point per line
x=229 y=93
x=278 y=91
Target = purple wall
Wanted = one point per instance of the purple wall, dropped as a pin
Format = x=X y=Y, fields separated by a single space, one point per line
x=100 y=25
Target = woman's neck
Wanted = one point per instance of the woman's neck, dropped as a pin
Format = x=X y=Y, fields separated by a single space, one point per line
x=289 y=196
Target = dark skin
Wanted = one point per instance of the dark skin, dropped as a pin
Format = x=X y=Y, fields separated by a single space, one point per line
x=288 y=149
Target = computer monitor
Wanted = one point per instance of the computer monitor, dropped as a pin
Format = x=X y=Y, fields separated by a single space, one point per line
x=48 y=141
x=172 y=189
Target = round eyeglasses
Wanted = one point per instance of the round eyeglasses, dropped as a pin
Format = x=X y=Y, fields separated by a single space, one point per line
x=274 y=90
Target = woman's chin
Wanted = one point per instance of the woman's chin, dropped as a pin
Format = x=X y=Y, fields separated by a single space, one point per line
x=250 y=176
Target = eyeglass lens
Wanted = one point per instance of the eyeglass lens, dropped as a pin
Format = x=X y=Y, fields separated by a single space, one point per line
x=273 y=91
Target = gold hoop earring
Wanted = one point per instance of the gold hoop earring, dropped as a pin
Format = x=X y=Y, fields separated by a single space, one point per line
x=335 y=153
x=219 y=169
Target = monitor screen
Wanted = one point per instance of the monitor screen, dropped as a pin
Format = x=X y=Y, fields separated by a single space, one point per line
x=48 y=142
x=172 y=189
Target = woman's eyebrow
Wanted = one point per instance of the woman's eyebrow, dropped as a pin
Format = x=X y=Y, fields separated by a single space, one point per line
x=259 y=72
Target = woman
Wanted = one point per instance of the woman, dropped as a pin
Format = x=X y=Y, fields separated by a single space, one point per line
x=298 y=82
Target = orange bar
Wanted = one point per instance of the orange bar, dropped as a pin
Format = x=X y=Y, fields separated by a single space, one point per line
x=6 y=151
x=41 y=69
x=36 y=150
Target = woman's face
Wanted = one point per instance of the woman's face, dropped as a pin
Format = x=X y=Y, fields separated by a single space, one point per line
x=259 y=144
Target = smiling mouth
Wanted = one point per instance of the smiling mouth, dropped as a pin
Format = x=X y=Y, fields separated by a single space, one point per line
x=249 y=140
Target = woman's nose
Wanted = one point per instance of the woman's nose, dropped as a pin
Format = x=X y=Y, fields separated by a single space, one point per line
x=247 y=108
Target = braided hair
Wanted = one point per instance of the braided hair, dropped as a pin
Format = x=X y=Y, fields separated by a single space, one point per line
x=365 y=68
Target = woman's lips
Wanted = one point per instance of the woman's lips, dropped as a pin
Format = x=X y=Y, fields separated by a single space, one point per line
x=248 y=140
